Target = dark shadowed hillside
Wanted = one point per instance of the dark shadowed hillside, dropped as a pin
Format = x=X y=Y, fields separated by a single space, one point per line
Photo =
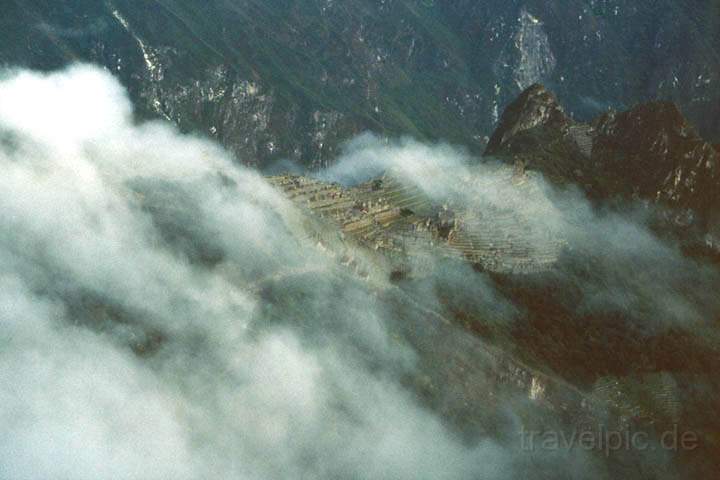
x=650 y=153
x=359 y=239
x=284 y=79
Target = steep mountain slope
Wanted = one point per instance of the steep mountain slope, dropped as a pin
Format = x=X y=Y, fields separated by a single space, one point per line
x=168 y=313
x=569 y=351
x=391 y=215
x=650 y=152
x=285 y=79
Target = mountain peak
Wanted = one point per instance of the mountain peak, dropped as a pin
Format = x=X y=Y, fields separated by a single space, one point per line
x=648 y=119
x=650 y=151
x=536 y=106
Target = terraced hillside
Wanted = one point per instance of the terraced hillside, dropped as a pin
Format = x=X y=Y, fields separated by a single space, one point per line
x=389 y=215
x=584 y=371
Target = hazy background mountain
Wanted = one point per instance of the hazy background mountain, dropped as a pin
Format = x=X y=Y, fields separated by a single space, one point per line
x=280 y=79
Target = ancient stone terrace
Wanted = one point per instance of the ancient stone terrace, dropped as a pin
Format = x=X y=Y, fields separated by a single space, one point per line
x=582 y=135
x=398 y=219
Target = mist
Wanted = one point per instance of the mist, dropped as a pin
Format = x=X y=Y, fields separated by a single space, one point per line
x=611 y=255
x=166 y=313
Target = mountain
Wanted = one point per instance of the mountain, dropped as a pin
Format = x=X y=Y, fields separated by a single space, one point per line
x=283 y=79
x=572 y=349
x=370 y=308
x=649 y=153
x=392 y=216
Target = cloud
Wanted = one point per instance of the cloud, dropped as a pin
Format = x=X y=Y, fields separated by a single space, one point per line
x=611 y=257
x=165 y=313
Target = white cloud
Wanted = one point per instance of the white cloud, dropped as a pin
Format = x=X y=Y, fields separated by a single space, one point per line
x=135 y=341
x=164 y=313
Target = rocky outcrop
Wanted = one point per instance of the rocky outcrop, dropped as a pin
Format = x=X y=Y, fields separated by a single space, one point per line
x=534 y=131
x=650 y=152
x=535 y=107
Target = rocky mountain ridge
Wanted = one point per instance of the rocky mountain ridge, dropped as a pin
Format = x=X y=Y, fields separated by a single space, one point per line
x=649 y=153
x=291 y=80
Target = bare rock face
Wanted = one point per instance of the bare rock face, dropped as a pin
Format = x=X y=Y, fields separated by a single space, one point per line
x=278 y=80
x=535 y=107
x=535 y=131
x=650 y=152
